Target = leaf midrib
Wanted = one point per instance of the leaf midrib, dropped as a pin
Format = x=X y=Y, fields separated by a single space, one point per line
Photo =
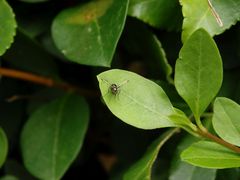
x=99 y=38
x=56 y=136
x=164 y=117
x=198 y=78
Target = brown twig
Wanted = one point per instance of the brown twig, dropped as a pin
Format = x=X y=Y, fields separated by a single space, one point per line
x=216 y=139
x=46 y=82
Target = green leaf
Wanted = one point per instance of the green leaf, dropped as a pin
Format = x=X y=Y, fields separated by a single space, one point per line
x=182 y=170
x=145 y=45
x=88 y=34
x=138 y=101
x=157 y=13
x=198 y=71
x=198 y=14
x=53 y=136
x=226 y=120
x=7 y=26
x=210 y=155
x=190 y=172
x=143 y=167
x=3 y=147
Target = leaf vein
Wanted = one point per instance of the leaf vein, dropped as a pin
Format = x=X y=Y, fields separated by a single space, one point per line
x=99 y=38
x=56 y=136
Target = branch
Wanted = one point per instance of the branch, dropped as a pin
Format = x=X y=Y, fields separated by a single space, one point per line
x=46 y=82
x=208 y=135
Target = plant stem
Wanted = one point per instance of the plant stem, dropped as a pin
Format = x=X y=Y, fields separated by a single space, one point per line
x=46 y=81
x=218 y=140
x=207 y=115
x=200 y=125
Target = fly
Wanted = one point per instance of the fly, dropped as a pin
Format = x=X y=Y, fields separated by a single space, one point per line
x=114 y=88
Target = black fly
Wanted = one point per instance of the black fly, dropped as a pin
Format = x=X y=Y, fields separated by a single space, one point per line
x=114 y=88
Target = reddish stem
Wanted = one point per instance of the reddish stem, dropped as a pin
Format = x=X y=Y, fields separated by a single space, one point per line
x=46 y=81
x=208 y=135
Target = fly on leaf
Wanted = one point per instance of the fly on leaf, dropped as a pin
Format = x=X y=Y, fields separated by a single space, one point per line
x=114 y=88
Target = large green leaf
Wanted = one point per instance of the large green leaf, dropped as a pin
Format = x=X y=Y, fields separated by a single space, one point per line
x=210 y=155
x=138 y=101
x=7 y=26
x=226 y=120
x=143 y=167
x=182 y=170
x=3 y=147
x=198 y=14
x=88 y=34
x=198 y=73
x=53 y=136
x=158 y=13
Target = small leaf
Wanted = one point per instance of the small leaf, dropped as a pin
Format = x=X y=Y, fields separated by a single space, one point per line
x=88 y=34
x=7 y=26
x=3 y=147
x=198 y=73
x=226 y=120
x=143 y=167
x=210 y=155
x=53 y=136
x=138 y=101
x=198 y=14
x=157 y=13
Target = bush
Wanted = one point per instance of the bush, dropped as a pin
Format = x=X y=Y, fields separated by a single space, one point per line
x=71 y=70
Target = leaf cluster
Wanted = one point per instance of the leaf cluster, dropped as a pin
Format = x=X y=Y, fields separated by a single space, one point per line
x=70 y=70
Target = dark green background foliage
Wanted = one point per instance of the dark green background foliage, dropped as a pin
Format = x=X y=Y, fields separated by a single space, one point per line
x=176 y=56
